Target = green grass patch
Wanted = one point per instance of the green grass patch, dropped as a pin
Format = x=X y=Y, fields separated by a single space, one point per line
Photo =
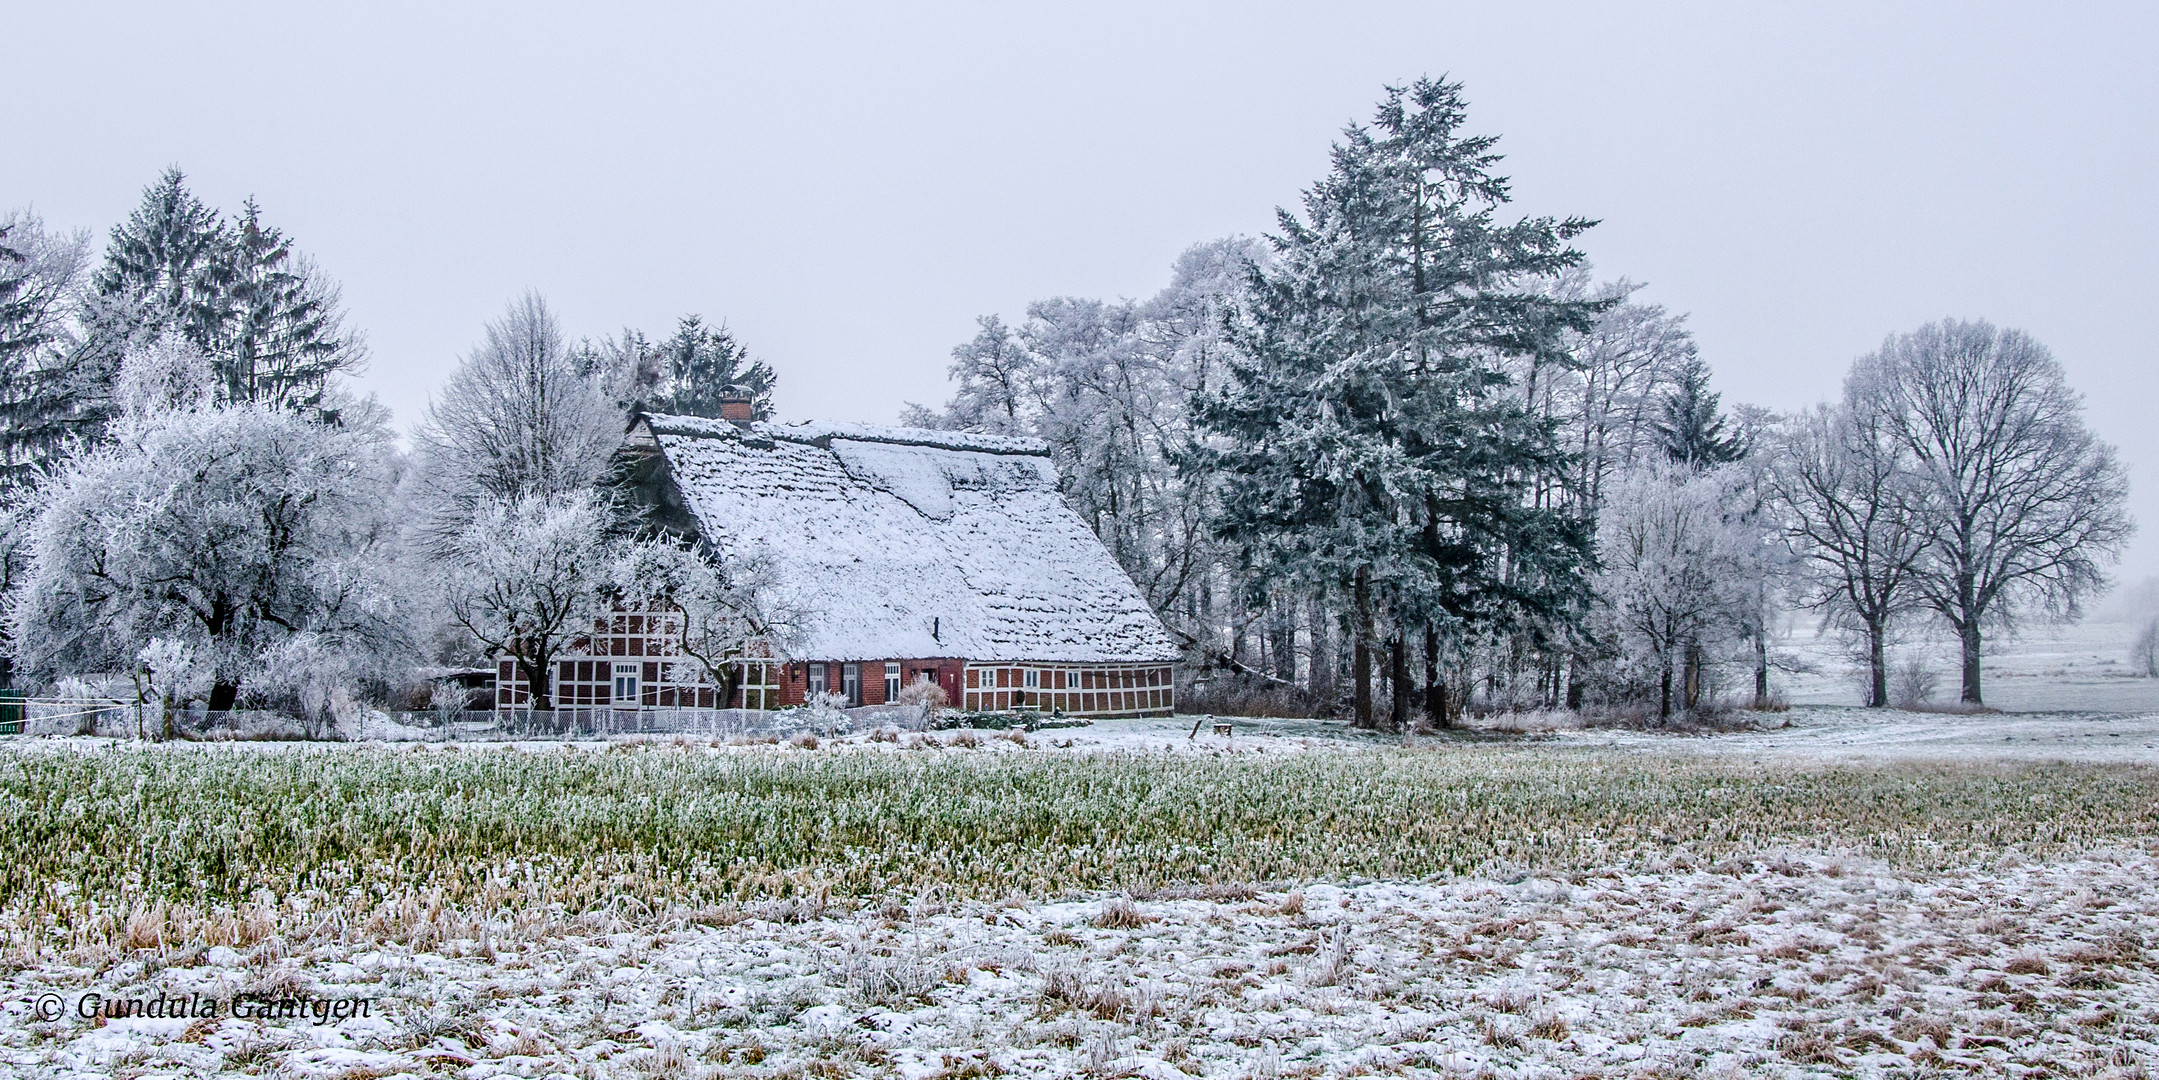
x=202 y=827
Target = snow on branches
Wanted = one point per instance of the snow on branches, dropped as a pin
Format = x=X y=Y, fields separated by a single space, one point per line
x=228 y=530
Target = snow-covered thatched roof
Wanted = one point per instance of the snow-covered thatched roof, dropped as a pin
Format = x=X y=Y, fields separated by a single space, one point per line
x=909 y=543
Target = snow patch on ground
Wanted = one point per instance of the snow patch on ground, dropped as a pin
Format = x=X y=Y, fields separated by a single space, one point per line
x=1792 y=965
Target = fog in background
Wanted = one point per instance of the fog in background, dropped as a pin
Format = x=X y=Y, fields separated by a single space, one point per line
x=848 y=187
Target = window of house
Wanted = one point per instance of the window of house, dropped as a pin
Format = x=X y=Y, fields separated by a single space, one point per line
x=892 y=681
x=758 y=689
x=817 y=678
x=1034 y=678
x=852 y=683
x=625 y=684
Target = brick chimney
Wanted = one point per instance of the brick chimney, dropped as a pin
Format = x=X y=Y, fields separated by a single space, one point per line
x=736 y=407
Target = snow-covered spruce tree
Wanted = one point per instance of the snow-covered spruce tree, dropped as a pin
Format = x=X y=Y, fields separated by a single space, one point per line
x=1836 y=482
x=701 y=364
x=156 y=276
x=2017 y=504
x=41 y=280
x=153 y=281
x=527 y=573
x=269 y=320
x=688 y=373
x=1691 y=430
x=519 y=417
x=273 y=324
x=1677 y=569
x=225 y=529
x=1365 y=438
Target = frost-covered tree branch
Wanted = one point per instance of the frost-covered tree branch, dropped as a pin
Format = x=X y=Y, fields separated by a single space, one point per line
x=519 y=417
x=526 y=575
x=227 y=529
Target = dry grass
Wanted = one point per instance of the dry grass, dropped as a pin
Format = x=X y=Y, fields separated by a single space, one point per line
x=1120 y=914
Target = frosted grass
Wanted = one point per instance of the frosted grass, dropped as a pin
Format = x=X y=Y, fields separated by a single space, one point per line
x=88 y=836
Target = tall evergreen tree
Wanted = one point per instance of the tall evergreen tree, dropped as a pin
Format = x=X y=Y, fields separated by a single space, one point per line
x=40 y=279
x=1692 y=431
x=157 y=270
x=1366 y=439
x=271 y=322
x=688 y=373
x=15 y=313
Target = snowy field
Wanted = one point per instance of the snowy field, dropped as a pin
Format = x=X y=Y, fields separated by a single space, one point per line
x=1793 y=966
x=1849 y=893
x=2082 y=667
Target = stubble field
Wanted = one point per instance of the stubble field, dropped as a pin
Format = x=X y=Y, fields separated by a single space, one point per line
x=1247 y=907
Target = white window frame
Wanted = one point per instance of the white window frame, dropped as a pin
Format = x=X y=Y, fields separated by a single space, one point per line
x=892 y=681
x=627 y=675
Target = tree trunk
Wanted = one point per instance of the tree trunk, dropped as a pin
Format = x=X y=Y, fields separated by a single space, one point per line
x=1691 y=684
x=1664 y=692
x=223 y=695
x=1321 y=679
x=1363 y=659
x=536 y=696
x=1877 y=665
x=1969 y=636
x=1761 y=667
x=1284 y=620
x=1398 y=681
x=1435 y=687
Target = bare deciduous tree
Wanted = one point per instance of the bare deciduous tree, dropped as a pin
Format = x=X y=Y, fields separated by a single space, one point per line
x=1836 y=480
x=2144 y=651
x=726 y=614
x=2016 y=502
x=519 y=417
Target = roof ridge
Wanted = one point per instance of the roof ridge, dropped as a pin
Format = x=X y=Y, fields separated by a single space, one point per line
x=821 y=433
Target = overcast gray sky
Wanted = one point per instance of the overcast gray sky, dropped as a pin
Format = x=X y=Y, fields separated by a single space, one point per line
x=848 y=186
